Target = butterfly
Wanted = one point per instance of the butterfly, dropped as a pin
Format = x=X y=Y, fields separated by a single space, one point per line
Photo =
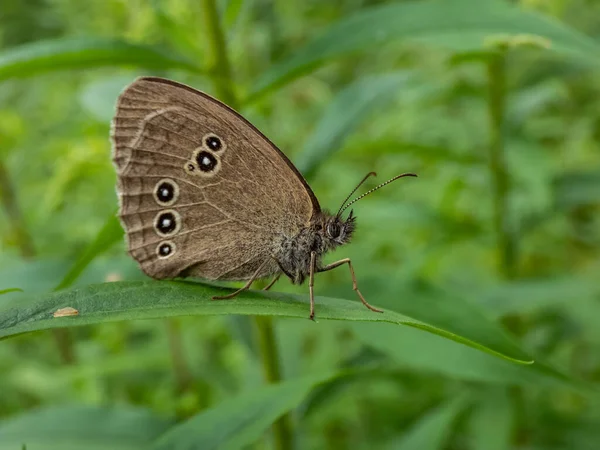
x=204 y=193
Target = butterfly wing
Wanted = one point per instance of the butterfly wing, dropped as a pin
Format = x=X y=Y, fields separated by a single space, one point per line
x=202 y=191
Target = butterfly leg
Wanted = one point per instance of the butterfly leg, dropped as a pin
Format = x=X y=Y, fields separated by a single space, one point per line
x=311 y=284
x=244 y=287
x=354 y=283
x=283 y=270
x=273 y=281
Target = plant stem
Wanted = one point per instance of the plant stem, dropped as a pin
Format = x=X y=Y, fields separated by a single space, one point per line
x=64 y=343
x=282 y=428
x=13 y=213
x=217 y=59
x=8 y=196
x=220 y=71
x=505 y=238
x=183 y=375
x=506 y=245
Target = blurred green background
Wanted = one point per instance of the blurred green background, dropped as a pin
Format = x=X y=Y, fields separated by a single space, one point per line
x=494 y=104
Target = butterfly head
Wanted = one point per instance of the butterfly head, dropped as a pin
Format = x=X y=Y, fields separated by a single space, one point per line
x=338 y=231
x=335 y=229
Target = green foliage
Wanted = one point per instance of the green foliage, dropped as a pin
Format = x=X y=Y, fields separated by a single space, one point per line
x=439 y=356
x=455 y=24
x=76 y=427
x=431 y=432
x=108 y=235
x=240 y=421
x=345 y=112
x=493 y=420
x=40 y=57
x=117 y=301
x=492 y=251
x=6 y=291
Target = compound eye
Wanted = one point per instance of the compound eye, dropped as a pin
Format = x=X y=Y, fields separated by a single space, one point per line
x=334 y=230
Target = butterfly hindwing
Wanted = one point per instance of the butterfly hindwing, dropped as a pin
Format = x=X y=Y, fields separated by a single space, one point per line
x=202 y=192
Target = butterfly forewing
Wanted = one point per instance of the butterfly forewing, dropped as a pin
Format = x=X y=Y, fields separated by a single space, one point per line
x=202 y=192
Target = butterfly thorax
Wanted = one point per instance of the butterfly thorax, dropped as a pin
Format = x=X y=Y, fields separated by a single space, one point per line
x=324 y=233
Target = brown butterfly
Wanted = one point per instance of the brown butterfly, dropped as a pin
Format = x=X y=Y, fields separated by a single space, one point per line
x=204 y=193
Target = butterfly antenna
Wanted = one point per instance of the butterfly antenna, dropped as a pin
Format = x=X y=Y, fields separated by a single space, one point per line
x=342 y=209
x=370 y=174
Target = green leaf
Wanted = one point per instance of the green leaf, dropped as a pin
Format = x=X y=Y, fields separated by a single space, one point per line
x=431 y=432
x=232 y=12
x=42 y=275
x=6 y=291
x=491 y=421
x=111 y=302
x=464 y=25
x=98 y=96
x=109 y=234
x=439 y=307
x=179 y=36
x=240 y=421
x=528 y=296
x=575 y=189
x=429 y=353
x=84 y=53
x=344 y=113
x=78 y=427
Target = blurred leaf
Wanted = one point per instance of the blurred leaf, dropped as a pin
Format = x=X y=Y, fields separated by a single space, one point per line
x=111 y=302
x=240 y=421
x=577 y=189
x=344 y=113
x=35 y=276
x=108 y=235
x=570 y=191
x=98 y=96
x=431 y=431
x=527 y=296
x=85 y=53
x=491 y=421
x=429 y=353
x=82 y=427
x=440 y=308
x=534 y=100
x=6 y=291
x=429 y=153
x=232 y=11
x=43 y=275
x=455 y=24
x=179 y=36
x=579 y=434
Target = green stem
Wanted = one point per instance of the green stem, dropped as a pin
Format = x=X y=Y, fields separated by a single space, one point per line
x=64 y=343
x=506 y=241
x=183 y=375
x=13 y=213
x=217 y=59
x=507 y=257
x=220 y=71
x=282 y=428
